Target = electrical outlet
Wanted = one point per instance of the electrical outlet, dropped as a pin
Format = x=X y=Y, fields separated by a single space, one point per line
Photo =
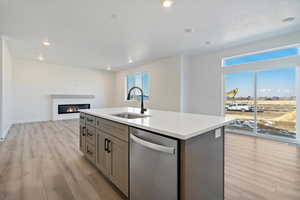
x=218 y=133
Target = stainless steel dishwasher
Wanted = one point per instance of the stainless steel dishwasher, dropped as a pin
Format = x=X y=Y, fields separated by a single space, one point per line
x=153 y=166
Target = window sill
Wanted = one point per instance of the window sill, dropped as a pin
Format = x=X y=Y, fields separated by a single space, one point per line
x=132 y=100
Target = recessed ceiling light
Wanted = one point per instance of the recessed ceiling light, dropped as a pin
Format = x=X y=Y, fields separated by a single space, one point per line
x=188 y=30
x=40 y=58
x=108 y=68
x=207 y=42
x=288 y=19
x=46 y=43
x=130 y=60
x=115 y=16
x=167 y=3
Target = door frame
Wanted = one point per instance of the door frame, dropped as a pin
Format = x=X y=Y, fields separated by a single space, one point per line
x=287 y=62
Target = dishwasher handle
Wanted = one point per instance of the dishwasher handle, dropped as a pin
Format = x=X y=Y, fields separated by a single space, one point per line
x=157 y=147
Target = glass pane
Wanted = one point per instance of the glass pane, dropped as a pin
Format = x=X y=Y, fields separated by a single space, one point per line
x=138 y=83
x=281 y=53
x=130 y=83
x=146 y=85
x=239 y=92
x=139 y=80
x=276 y=102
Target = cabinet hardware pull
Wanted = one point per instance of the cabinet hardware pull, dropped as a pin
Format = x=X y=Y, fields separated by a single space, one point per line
x=83 y=131
x=108 y=146
x=157 y=147
x=89 y=152
x=105 y=144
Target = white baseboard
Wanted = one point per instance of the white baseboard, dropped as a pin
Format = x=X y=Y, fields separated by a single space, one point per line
x=36 y=121
x=5 y=133
x=31 y=121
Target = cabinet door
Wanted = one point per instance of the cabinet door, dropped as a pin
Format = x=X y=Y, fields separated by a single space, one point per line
x=119 y=164
x=82 y=139
x=90 y=152
x=102 y=159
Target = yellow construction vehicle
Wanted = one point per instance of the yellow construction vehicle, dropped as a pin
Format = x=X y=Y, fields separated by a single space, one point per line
x=232 y=93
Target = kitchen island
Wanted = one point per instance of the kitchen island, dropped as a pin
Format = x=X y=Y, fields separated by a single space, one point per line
x=157 y=155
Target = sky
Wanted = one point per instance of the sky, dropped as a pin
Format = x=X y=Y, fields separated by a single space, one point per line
x=140 y=80
x=277 y=82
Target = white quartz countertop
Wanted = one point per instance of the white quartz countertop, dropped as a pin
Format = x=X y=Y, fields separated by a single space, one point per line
x=174 y=124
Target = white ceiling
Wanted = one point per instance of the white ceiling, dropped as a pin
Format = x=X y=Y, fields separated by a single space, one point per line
x=84 y=33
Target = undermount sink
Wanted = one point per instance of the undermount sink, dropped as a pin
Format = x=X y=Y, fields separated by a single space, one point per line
x=128 y=115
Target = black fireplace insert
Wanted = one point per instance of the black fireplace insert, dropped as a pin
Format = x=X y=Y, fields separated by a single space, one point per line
x=72 y=108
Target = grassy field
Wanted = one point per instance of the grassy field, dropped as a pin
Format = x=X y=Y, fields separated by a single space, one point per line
x=274 y=114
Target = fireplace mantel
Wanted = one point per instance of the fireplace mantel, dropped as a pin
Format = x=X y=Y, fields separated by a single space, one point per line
x=72 y=96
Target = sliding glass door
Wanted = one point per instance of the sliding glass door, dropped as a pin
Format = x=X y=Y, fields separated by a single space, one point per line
x=263 y=102
x=239 y=102
x=276 y=102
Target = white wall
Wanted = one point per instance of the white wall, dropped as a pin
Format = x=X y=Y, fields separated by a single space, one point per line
x=185 y=83
x=35 y=81
x=6 y=89
x=1 y=90
x=164 y=84
x=205 y=75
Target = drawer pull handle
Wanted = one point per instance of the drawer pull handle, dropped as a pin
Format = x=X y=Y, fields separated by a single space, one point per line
x=108 y=146
x=105 y=145
x=89 y=152
x=83 y=131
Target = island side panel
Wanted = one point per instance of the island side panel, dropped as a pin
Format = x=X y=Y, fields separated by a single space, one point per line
x=202 y=167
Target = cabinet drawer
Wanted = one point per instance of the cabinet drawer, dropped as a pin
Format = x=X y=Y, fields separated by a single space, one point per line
x=82 y=139
x=115 y=129
x=91 y=135
x=90 y=120
x=90 y=152
x=82 y=119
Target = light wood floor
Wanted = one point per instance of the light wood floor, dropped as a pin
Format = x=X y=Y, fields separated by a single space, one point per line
x=41 y=161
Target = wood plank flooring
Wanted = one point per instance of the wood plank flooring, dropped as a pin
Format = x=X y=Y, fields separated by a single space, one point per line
x=41 y=161
x=261 y=169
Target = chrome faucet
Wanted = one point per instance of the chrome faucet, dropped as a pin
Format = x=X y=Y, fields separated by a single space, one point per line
x=142 y=98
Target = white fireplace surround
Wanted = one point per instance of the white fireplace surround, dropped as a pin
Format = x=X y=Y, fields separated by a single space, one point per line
x=61 y=99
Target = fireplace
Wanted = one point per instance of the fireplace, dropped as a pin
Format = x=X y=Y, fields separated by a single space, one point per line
x=72 y=108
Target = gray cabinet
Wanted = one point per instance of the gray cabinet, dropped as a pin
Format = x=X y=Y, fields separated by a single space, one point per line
x=202 y=166
x=112 y=159
x=82 y=134
x=90 y=120
x=102 y=159
x=90 y=152
x=82 y=138
x=119 y=164
x=90 y=134
x=105 y=144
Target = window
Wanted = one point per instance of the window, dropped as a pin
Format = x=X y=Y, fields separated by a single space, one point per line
x=269 y=55
x=138 y=80
x=239 y=101
x=263 y=97
x=276 y=102
x=263 y=102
